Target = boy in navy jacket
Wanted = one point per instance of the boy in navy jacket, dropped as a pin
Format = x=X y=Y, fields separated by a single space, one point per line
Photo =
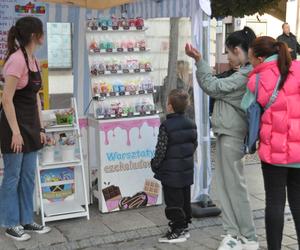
x=173 y=165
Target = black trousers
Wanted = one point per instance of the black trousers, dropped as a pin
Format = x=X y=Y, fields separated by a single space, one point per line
x=278 y=181
x=178 y=206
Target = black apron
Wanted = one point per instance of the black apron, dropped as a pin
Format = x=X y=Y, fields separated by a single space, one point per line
x=26 y=107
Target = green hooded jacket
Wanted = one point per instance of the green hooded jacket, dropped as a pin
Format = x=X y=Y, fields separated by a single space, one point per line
x=228 y=118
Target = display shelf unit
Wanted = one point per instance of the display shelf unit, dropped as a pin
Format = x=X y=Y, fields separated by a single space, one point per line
x=118 y=51
x=110 y=29
x=148 y=113
x=137 y=76
x=120 y=72
x=75 y=204
x=126 y=93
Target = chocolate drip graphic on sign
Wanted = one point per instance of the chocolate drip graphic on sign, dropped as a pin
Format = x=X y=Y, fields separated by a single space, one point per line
x=128 y=125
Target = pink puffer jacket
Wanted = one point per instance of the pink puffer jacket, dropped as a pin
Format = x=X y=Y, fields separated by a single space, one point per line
x=280 y=124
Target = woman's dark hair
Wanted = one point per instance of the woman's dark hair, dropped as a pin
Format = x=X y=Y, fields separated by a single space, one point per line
x=266 y=46
x=242 y=38
x=20 y=35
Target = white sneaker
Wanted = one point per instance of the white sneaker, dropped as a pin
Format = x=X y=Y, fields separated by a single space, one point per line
x=230 y=243
x=249 y=244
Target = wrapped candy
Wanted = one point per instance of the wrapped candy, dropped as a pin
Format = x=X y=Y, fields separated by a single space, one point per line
x=94 y=70
x=124 y=45
x=96 y=89
x=133 y=64
x=94 y=47
x=131 y=22
x=101 y=68
x=139 y=22
x=103 y=45
x=141 y=44
x=104 y=88
x=130 y=44
x=92 y=24
x=115 y=88
x=114 y=23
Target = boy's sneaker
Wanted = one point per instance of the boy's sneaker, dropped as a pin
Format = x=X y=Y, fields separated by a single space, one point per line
x=230 y=243
x=36 y=228
x=174 y=236
x=17 y=233
x=249 y=244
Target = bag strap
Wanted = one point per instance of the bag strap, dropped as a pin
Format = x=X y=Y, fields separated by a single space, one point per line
x=274 y=94
x=256 y=86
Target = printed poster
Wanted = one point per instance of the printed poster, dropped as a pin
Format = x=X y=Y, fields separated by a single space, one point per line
x=58 y=184
x=10 y=11
x=127 y=146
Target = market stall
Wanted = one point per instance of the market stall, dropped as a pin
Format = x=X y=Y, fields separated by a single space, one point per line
x=136 y=127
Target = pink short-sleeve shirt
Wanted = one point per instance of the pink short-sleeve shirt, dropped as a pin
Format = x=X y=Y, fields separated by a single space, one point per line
x=16 y=66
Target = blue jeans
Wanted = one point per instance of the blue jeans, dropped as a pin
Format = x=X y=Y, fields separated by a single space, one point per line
x=16 y=191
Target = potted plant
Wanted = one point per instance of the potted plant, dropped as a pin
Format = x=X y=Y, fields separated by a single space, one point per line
x=49 y=149
x=65 y=117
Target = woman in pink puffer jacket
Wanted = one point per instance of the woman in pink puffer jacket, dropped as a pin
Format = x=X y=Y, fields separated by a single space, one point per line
x=279 y=148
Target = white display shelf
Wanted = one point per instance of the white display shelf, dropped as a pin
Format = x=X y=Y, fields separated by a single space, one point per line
x=57 y=183
x=136 y=114
x=59 y=210
x=116 y=51
x=63 y=208
x=66 y=216
x=63 y=165
x=110 y=29
x=45 y=164
x=120 y=72
x=62 y=128
x=114 y=94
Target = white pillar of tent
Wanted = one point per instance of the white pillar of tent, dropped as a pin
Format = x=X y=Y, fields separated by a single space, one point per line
x=200 y=40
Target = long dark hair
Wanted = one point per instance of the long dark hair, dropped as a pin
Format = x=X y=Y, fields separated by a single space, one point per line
x=241 y=38
x=20 y=35
x=266 y=46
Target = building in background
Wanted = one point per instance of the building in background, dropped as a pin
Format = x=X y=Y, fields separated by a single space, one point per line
x=263 y=25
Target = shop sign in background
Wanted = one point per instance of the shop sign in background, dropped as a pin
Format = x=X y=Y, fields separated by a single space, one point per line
x=127 y=147
x=10 y=11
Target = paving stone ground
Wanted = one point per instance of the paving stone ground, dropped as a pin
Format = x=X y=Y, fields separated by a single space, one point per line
x=139 y=229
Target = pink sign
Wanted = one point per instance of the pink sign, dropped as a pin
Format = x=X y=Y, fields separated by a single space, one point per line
x=128 y=125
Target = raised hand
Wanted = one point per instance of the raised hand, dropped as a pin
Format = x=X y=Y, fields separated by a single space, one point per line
x=192 y=52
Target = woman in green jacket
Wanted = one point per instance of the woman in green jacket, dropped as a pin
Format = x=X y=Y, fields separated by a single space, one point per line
x=229 y=125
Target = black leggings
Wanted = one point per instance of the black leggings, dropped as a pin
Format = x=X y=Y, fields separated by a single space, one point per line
x=277 y=180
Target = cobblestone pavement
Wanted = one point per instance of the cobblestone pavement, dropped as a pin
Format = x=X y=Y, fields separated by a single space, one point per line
x=139 y=229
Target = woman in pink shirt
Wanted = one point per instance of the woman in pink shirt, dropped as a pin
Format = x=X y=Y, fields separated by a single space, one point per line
x=21 y=129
